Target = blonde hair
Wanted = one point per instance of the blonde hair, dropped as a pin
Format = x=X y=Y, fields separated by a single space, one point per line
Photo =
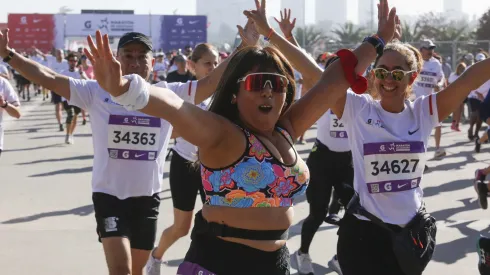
x=413 y=59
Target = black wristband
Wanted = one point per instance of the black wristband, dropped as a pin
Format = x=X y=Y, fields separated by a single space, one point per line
x=377 y=44
x=6 y=105
x=8 y=57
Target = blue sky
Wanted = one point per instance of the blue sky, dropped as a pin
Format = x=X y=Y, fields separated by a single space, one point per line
x=411 y=7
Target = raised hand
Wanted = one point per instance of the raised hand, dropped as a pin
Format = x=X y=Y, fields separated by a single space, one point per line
x=107 y=70
x=250 y=36
x=259 y=17
x=4 y=41
x=386 y=21
x=285 y=24
x=398 y=29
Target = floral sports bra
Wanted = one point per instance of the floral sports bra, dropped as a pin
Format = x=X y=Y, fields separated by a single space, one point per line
x=258 y=179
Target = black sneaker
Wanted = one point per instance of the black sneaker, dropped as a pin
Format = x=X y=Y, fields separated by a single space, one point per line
x=61 y=128
x=333 y=219
x=470 y=135
x=482 y=194
x=477 y=145
x=84 y=122
x=483 y=247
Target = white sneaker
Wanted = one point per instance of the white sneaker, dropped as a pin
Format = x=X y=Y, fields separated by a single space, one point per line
x=67 y=139
x=334 y=265
x=71 y=140
x=153 y=265
x=305 y=266
x=439 y=153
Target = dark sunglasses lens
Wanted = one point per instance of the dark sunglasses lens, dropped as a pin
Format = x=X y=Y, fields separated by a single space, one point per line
x=380 y=74
x=398 y=75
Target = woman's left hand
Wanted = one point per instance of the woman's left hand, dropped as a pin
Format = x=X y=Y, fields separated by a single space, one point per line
x=259 y=17
x=107 y=70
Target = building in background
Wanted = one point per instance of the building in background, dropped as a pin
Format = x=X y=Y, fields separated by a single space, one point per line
x=453 y=9
x=298 y=10
x=331 y=11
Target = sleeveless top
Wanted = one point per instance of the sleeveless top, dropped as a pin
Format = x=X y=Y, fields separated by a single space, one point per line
x=256 y=179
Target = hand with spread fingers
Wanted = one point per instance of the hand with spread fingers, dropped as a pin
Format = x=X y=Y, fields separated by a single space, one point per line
x=259 y=17
x=4 y=41
x=387 y=19
x=250 y=36
x=107 y=70
x=398 y=29
x=285 y=24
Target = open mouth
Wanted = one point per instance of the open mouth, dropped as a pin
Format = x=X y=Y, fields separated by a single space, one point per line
x=265 y=108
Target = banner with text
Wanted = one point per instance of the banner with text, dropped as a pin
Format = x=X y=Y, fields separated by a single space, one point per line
x=178 y=31
x=112 y=24
x=38 y=30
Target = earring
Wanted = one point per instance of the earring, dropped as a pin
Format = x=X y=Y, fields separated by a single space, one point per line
x=233 y=99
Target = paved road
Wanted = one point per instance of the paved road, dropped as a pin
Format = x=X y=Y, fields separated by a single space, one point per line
x=46 y=215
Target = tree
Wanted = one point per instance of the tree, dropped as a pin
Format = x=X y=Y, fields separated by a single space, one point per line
x=483 y=31
x=348 y=33
x=312 y=36
x=410 y=32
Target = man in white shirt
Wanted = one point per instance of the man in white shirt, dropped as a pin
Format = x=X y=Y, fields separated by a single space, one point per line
x=430 y=80
x=72 y=111
x=9 y=103
x=129 y=149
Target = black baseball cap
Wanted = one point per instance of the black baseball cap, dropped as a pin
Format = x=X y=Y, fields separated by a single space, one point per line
x=135 y=37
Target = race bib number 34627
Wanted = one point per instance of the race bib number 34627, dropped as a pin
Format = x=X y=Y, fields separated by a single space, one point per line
x=133 y=137
x=393 y=166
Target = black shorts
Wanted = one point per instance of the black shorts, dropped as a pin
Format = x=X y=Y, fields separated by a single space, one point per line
x=185 y=182
x=212 y=255
x=23 y=80
x=365 y=248
x=55 y=98
x=485 y=110
x=474 y=104
x=133 y=218
x=327 y=169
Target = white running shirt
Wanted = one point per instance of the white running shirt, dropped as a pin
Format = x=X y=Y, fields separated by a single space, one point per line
x=130 y=147
x=428 y=78
x=389 y=154
x=332 y=132
x=9 y=95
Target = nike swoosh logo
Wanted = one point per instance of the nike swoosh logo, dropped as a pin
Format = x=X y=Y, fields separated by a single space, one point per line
x=193 y=22
x=411 y=133
x=37 y=20
x=400 y=186
x=139 y=155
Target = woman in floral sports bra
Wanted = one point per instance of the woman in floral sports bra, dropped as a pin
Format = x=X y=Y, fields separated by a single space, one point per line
x=250 y=169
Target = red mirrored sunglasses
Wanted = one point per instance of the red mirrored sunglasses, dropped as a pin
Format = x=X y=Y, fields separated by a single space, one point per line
x=256 y=82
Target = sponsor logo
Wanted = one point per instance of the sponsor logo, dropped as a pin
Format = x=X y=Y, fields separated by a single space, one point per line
x=37 y=20
x=110 y=224
x=138 y=155
x=411 y=133
x=193 y=22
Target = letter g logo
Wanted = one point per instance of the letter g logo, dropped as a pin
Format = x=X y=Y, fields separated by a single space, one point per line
x=388 y=186
x=88 y=24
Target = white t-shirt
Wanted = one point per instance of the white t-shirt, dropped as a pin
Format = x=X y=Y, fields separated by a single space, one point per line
x=130 y=147
x=160 y=68
x=332 y=132
x=57 y=67
x=299 y=87
x=4 y=70
x=9 y=95
x=483 y=89
x=428 y=78
x=389 y=154
x=75 y=74
x=186 y=149
x=452 y=77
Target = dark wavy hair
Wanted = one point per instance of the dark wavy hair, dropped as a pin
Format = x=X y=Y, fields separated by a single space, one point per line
x=245 y=60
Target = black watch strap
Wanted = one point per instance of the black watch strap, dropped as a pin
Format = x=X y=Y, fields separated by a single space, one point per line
x=377 y=44
x=9 y=56
x=6 y=105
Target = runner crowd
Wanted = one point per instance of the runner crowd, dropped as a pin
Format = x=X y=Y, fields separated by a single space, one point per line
x=252 y=107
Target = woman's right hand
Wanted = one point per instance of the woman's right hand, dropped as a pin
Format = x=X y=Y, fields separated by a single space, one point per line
x=107 y=70
x=387 y=21
x=4 y=40
x=285 y=24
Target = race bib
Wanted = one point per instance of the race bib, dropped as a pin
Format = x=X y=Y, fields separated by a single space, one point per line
x=393 y=166
x=427 y=79
x=337 y=128
x=133 y=137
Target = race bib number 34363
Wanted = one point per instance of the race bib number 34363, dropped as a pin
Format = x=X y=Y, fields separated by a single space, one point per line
x=393 y=166
x=133 y=137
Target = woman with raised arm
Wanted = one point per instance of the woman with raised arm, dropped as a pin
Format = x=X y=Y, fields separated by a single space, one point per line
x=250 y=171
x=388 y=137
